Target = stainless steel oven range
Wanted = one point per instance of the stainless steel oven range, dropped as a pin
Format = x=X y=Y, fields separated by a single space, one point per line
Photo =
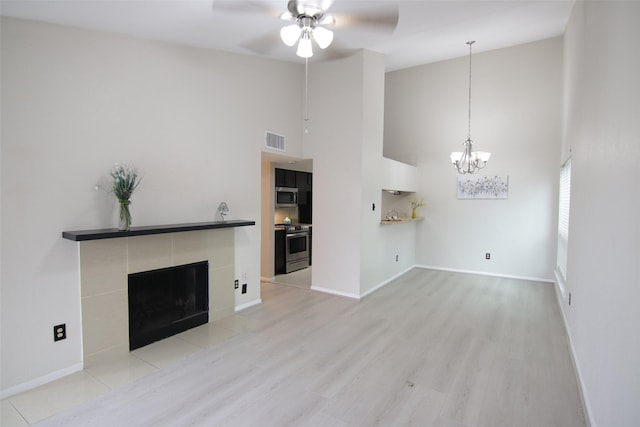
x=297 y=247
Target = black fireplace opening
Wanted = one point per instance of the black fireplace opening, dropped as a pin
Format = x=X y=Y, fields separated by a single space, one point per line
x=167 y=301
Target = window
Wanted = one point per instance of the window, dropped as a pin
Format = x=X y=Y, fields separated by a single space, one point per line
x=563 y=217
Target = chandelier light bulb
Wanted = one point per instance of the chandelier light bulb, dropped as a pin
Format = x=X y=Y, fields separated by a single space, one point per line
x=323 y=37
x=456 y=156
x=290 y=34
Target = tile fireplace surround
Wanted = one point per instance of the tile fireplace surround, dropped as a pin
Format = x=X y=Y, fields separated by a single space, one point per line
x=105 y=264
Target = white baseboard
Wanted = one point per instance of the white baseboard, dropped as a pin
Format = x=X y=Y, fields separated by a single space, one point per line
x=559 y=291
x=386 y=282
x=484 y=273
x=248 y=304
x=334 y=292
x=37 y=382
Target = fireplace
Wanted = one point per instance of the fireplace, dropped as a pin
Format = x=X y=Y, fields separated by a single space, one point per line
x=105 y=266
x=167 y=301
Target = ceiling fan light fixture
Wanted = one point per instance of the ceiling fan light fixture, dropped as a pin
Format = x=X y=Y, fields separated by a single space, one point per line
x=305 y=50
x=323 y=37
x=290 y=34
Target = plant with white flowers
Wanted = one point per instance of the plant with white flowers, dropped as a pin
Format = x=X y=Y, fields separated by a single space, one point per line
x=125 y=181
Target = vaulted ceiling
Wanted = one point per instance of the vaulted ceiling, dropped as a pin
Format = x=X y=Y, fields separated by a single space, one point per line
x=426 y=31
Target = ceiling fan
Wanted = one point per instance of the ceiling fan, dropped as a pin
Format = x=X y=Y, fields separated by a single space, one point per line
x=312 y=21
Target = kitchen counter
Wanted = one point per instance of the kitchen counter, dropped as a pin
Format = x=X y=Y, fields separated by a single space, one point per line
x=277 y=227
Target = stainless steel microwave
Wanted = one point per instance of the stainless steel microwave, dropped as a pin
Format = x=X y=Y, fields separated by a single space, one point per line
x=286 y=197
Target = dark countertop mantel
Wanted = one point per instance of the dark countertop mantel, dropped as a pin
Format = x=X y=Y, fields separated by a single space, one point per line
x=110 y=233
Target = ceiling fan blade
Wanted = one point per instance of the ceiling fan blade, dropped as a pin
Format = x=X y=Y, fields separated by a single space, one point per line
x=266 y=44
x=368 y=16
x=269 y=8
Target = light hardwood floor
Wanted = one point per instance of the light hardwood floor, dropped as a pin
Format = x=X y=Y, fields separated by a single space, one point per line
x=430 y=349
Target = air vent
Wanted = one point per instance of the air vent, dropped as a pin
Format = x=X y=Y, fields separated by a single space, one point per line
x=274 y=141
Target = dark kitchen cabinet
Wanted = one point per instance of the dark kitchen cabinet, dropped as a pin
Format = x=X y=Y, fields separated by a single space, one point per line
x=303 y=181
x=285 y=178
x=303 y=188
x=280 y=252
x=304 y=185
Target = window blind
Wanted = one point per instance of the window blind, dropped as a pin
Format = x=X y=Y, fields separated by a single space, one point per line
x=563 y=216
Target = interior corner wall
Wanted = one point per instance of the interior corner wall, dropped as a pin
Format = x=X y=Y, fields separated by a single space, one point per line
x=267 y=183
x=74 y=102
x=386 y=251
x=516 y=115
x=601 y=125
x=334 y=142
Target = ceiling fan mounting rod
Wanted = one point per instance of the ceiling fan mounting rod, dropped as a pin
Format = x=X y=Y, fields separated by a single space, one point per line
x=305 y=21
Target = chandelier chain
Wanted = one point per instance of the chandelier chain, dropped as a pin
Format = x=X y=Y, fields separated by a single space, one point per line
x=469 y=125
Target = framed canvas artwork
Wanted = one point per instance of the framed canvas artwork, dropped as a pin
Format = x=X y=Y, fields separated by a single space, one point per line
x=483 y=187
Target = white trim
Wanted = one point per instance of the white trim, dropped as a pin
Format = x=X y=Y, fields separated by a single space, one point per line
x=484 y=273
x=334 y=292
x=560 y=284
x=37 y=382
x=386 y=282
x=248 y=304
x=576 y=366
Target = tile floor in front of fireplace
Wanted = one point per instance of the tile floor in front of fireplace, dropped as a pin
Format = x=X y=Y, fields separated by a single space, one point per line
x=37 y=404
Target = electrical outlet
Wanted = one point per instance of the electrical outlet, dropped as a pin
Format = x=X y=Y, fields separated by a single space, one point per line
x=373 y=206
x=487 y=256
x=396 y=258
x=60 y=332
x=236 y=284
x=569 y=298
x=244 y=288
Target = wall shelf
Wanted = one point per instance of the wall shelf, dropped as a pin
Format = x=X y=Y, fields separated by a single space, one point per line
x=400 y=221
x=111 y=233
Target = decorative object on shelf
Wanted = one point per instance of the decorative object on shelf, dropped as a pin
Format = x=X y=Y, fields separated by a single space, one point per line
x=415 y=204
x=392 y=215
x=125 y=181
x=286 y=220
x=483 y=187
x=223 y=209
x=468 y=161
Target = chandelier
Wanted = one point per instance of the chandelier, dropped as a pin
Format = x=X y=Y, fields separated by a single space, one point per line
x=469 y=161
x=307 y=28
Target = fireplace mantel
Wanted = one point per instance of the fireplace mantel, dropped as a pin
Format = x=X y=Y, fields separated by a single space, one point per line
x=110 y=233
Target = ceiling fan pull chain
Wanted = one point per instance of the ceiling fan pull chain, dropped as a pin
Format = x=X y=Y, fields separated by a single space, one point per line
x=306 y=95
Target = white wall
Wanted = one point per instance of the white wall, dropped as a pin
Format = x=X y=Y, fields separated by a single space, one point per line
x=379 y=244
x=74 y=102
x=352 y=253
x=601 y=125
x=516 y=109
x=334 y=142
